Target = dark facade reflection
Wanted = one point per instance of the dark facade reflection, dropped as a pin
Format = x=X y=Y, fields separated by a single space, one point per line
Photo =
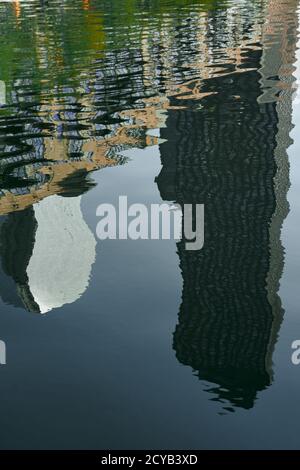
x=230 y=155
x=222 y=157
x=17 y=233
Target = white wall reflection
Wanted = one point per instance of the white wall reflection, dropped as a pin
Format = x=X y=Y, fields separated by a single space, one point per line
x=63 y=254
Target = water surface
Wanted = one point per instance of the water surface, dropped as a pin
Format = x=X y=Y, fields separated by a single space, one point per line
x=143 y=344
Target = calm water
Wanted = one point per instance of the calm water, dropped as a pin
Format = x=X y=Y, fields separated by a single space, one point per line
x=143 y=344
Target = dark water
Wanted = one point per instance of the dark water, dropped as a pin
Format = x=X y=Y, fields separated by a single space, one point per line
x=143 y=344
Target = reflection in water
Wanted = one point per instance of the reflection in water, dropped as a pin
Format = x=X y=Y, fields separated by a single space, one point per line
x=217 y=83
x=231 y=156
x=2 y=92
x=48 y=252
x=75 y=101
x=224 y=159
x=17 y=234
x=65 y=244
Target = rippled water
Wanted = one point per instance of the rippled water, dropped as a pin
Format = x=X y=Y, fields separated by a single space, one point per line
x=143 y=344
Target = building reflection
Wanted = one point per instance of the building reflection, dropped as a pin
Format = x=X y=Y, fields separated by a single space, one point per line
x=218 y=85
x=47 y=254
x=46 y=247
x=231 y=156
